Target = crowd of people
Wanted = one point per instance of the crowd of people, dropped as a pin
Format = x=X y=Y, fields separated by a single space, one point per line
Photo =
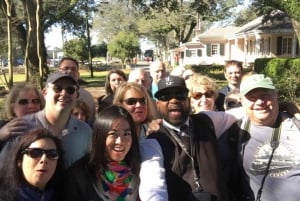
x=155 y=136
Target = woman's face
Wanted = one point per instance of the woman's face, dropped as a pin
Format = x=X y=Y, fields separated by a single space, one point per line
x=135 y=103
x=119 y=140
x=115 y=80
x=27 y=102
x=202 y=100
x=79 y=114
x=38 y=169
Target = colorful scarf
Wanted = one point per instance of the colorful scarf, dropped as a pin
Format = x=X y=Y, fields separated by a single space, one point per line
x=115 y=181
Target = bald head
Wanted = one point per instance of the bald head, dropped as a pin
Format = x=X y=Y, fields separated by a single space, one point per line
x=140 y=76
x=157 y=70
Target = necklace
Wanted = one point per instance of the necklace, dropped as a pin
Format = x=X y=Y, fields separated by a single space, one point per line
x=115 y=180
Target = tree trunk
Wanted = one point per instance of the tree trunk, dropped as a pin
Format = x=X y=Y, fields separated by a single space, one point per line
x=38 y=42
x=9 y=42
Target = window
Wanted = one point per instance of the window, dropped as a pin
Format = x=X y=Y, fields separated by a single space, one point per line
x=265 y=46
x=193 y=53
x=286 y=45
x=215 y=49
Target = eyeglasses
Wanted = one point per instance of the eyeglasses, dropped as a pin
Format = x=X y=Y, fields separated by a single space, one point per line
x=198 y=95
x=167 y=97
x=24 y=101
x=58 y=88
x=38 y=153
x=233 y=104
x=133 y=101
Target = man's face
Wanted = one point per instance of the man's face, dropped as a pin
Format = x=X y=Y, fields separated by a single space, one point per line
x=233 y=75
x=174 y=106
x=158 y=71
x=61 y=95
x=261 y=106
x=140 y=77
x=69 y=66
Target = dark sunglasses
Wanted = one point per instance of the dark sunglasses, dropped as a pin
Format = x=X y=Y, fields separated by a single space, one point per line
x=167 y=97
x=198 y=95
x=233 y=104
x=25 y=101
x=70 y=89
x=133 y=101
x=38 y=153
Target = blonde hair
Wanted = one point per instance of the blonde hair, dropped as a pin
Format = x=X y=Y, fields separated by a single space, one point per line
x=14 y=94
x=124 y=87
x=203 y=82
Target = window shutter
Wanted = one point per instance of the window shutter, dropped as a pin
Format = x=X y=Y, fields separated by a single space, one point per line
x=188 y=53
x=222 y=53
x=199 y=52
x=279 y=46
x=208 y=50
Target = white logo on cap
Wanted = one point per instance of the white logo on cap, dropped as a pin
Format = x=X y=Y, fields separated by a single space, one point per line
x=169 y=81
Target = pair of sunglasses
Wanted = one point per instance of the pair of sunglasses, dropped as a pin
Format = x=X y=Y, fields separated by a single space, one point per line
x=58 y=88
x=198 y=95
x=25 y=101
x=167 y=97
x=233 y=104
x=51 y=154
x=133 y=101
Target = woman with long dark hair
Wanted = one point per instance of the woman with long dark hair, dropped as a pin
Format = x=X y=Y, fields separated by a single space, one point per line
x=111 y=170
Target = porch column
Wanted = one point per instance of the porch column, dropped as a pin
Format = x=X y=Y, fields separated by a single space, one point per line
x=294 y=45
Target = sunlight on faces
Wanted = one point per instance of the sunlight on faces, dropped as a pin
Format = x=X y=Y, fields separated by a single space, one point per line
x=233 y=75
x=69 y=66
x=38 y=171
x=138 y=111
x=157 y=70
x=32 y=100
x=119 y=140
x=61 y=100
x=261 y=106
x=115 y=80
x=202 y=100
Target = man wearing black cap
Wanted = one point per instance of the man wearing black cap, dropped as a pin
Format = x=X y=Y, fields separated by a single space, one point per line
x=189 y=144
x=60 y=95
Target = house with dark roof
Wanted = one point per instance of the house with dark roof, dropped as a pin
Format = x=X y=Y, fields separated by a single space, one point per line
x=246 y=43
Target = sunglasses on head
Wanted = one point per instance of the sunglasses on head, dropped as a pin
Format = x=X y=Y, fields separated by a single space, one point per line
x=51 y=154
x=25 y=101
x=167 y=97
x=198 y=95
x=133 y=101
x=58 y=88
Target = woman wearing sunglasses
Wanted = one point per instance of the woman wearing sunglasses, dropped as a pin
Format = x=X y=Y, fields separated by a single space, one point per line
x=34 y=169
x=111 y=170
x=136 y=100
x=203 y=93
x=22 y=99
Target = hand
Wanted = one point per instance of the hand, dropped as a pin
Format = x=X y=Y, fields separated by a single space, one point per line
x=154 y=126
x=290 y=108
x=16 y=126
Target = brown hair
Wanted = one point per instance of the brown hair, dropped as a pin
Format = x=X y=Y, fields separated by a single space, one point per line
x=107 y=86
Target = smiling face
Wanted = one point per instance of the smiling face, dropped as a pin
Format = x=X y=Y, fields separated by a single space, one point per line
x=27 y=102
x=38 y=171
x=233 y=75
x=69 y=66
x=202 y=100
x=58 y=96
x=261 y=106
x=138 y=110
x=118 y=140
